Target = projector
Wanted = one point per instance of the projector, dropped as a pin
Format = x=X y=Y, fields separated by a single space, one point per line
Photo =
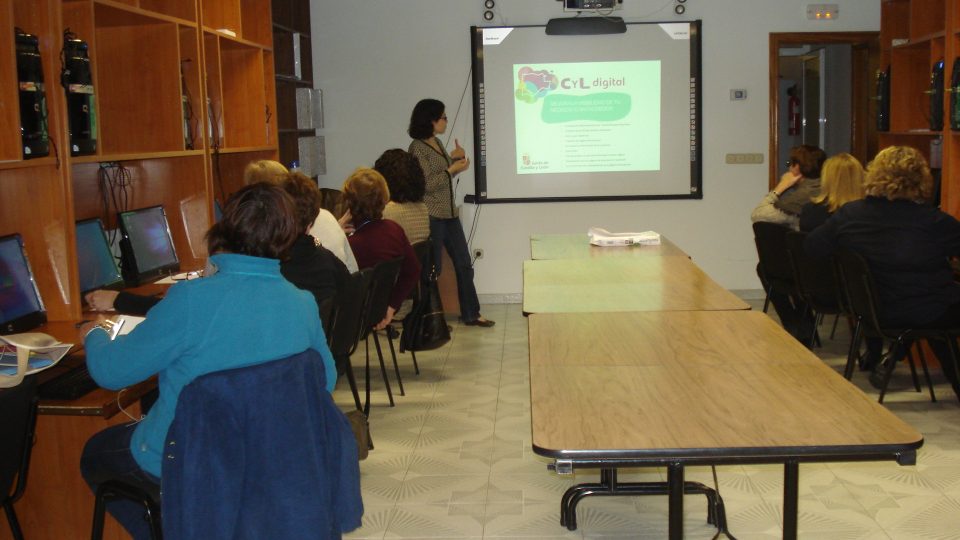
x=590 y=5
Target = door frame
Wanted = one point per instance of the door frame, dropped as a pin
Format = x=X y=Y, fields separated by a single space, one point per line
x=865 y=61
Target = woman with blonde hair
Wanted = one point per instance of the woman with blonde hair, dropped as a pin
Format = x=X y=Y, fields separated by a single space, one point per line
x=906 y=243
x=841 y=181
x=375 y=239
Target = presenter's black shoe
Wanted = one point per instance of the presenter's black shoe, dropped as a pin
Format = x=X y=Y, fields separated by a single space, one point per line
x=485 y=323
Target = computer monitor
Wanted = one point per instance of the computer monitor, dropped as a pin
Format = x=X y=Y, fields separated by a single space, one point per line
x=21 y=308
x=98 y=267
x=146 y=246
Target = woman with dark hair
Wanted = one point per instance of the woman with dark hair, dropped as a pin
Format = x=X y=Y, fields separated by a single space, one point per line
x=797 y=187
x=426 y=122
x=906 y=244
x=407 y=186
x=244 y=314
x=309 y=265
x=376 y=239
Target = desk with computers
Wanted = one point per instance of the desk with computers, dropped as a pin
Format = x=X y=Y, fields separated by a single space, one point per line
x=57 y=503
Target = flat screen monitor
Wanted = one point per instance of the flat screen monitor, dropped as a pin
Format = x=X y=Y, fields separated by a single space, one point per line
x=21 y=308
x=146 y=248
x=98 y=267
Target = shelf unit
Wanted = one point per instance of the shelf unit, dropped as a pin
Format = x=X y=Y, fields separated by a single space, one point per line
x=913 y=35
x=153 y=62
x=291 y=21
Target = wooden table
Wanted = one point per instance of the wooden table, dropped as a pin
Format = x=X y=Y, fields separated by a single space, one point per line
x=668 y=283
x=671 y=389
x=577 y=246
x=57 y=503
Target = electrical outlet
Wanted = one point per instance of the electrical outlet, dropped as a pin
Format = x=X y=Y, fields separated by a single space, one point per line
x=477 y=253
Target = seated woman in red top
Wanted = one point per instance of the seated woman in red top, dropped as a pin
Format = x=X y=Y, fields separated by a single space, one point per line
x=375 y=239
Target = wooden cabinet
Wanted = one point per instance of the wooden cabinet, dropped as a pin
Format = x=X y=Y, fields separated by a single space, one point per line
x=184 y=97
x=914 y=35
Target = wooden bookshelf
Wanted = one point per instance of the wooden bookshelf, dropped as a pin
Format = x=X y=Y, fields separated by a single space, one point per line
x=153 y=62
x=914 y=34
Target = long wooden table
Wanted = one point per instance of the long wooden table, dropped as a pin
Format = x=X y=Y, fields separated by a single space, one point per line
x=679 y=388
x=665 y=283
x=577 y=246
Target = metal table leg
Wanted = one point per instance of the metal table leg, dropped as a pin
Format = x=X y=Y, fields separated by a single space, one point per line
x=675 y=497
x=791 y=483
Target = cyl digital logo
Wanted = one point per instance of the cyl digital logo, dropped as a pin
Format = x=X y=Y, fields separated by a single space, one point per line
x=533 y=85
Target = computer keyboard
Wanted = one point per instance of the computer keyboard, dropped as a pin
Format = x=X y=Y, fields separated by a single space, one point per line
x=70 y=385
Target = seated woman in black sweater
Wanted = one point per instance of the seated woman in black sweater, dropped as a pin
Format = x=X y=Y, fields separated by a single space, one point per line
x=906 y=243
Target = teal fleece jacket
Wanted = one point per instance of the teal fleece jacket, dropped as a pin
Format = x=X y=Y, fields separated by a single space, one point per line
x=244 y=314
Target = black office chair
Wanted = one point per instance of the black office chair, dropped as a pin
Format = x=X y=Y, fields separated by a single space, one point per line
x=384 y=278
x=776 y=274
x=345 y=325
x=19 y=406
x=863 y=300
x=816 y=282
x=145 y=495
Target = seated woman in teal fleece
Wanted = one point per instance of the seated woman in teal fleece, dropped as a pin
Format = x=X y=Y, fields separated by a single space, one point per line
x=246 y=313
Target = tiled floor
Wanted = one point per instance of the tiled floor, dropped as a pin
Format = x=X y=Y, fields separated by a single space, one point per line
x=453 y=460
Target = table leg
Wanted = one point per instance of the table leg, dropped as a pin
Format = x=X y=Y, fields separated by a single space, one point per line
x=791 y=482
x=675 y=498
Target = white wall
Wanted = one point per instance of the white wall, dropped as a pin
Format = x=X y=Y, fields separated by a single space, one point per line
x=374 y=59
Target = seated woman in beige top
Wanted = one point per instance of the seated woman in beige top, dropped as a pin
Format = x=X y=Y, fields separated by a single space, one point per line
x=405 y=179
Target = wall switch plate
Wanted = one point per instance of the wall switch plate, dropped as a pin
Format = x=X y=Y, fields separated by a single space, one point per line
x=744 y=159
x=738 y=94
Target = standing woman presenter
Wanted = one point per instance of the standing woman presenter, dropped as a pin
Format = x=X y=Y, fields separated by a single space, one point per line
x=426 y=122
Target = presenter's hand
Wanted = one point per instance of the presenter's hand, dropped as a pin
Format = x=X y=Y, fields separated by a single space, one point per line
x=459 y=166
x=787 y=181
x=458 y=152
x=101 y=300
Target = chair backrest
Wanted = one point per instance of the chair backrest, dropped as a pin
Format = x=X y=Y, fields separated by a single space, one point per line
x=19 y=418
x=770 y=239
x=349 y=309
x=424 y=251
x=385 y=275
x=860 y=291
x=244 y=440
x=815 y=278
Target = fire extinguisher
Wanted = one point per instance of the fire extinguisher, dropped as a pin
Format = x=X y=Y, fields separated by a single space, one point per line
x=793 y=112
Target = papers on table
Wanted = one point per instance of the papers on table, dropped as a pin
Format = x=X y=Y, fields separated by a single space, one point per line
x=26 y=354
x=605 y=238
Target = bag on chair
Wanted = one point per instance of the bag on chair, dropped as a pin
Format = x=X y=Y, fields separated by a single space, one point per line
x=429 y=326
x=361 y=431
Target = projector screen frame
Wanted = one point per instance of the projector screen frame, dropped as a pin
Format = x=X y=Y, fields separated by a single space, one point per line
x=479 y=143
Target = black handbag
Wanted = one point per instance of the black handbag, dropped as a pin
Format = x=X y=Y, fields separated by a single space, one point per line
x=425 y=328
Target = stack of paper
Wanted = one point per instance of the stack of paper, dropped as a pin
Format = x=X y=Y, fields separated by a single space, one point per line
x=603 y=237
x=25 y=354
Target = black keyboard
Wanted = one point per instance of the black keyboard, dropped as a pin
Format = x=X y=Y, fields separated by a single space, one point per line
x=70 y=385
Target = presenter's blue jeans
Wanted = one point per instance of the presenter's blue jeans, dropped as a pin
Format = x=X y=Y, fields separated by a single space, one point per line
x=449 y=233
x=107 y=456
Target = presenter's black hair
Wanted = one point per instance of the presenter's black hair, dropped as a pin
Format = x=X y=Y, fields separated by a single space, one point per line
x=425 y=113
x=258 y=220
x=403 y=174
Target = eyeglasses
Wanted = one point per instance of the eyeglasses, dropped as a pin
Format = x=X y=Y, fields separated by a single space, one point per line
x=443 y=117
x=791 y=163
